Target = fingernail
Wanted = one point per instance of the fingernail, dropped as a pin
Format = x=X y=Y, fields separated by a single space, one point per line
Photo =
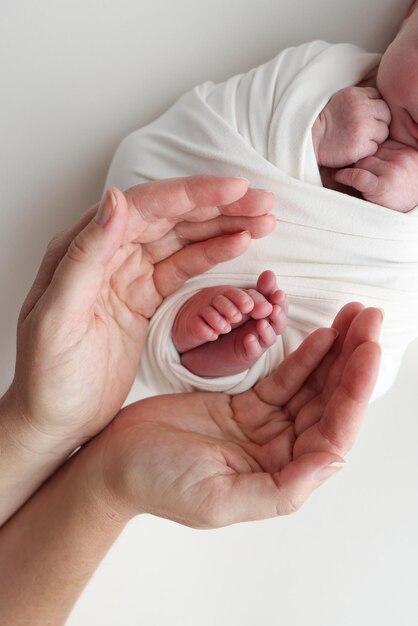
x=245 y=232
x=241 y=178
x=326 y=472
x=382 y=312
x=106 y=207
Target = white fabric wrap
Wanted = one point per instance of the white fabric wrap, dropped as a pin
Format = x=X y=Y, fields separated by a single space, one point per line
x=328 y=248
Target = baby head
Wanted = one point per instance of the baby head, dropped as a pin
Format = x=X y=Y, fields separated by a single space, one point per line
x=397 y=79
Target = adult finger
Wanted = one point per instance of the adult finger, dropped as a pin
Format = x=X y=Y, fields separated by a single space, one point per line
x=197 y=258
x=316 y=381
x=347 y=406
x=253 y=202
x=185 y=233
x=176 y=196
x=198 y=198
x=364 y=328
x=288 y=378
x=261 y=495
x=343 y=414
x=57 y=249
x=78 y=277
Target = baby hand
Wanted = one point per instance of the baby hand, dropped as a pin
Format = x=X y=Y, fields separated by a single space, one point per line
x=351 y=127
x=389 y=178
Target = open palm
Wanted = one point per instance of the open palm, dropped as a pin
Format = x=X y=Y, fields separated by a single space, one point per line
x=83 y=325
x=206 y=459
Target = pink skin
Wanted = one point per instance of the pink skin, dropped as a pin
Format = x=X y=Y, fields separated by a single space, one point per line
x=224 y=330
x=388 y=178
x=397 y=80
x=387 y=174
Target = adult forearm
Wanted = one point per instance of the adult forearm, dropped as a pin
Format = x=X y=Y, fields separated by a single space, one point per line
x=27 y=458
x=52 y=545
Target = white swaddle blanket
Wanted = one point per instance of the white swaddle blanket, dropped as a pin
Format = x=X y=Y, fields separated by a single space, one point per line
x=328 y=248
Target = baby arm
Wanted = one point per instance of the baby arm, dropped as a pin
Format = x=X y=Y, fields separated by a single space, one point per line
x=224 y=330
x=351 y=127
x=389 y=178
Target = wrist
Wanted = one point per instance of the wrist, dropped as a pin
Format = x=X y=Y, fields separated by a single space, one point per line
x=106 y=473
x=89 y=482
x=24 y=437
x=27 y=457
x=63 y=532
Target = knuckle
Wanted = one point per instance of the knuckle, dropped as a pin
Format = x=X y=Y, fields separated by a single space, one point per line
x=356 y=99
x=77 y=250
x=385 y=133
x=280 y=380
x=45 y=325
x=55 y=242
x=188 y=194
x=331 y=438
x=285 y=504
x=350 y=94
x=181 y=274
x=196 y=325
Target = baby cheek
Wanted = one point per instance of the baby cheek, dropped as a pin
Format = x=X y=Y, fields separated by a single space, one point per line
x=400 y=92
x=396 y=77
x=386 y=83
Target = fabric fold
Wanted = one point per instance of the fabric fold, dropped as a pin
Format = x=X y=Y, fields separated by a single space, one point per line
x=328 y=248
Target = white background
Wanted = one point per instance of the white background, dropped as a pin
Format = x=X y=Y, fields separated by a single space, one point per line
x=75 y=78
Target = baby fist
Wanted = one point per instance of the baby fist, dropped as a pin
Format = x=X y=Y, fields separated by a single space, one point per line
x=351 y=127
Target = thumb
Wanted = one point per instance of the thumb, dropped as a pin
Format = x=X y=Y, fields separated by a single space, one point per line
x=78 y=277
x=261 y=495
x=301 y=477
x=362 y=180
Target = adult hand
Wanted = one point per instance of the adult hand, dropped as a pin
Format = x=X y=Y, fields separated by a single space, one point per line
x=84 y=322
x=201 y=459
x=351 y=127
x=207 y=460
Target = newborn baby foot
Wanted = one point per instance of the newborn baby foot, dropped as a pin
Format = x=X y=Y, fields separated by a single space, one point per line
x=224 y=330
x=215 y=311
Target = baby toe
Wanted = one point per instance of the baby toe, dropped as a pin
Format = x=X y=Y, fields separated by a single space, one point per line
x=226 y=307
x=277 y=319
x=262 y=307
x=279 y=297
x=267 y=283
x=215 y=320
x=240 y=298
x=267 y=336
x=252 y=347
x=201 y=331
